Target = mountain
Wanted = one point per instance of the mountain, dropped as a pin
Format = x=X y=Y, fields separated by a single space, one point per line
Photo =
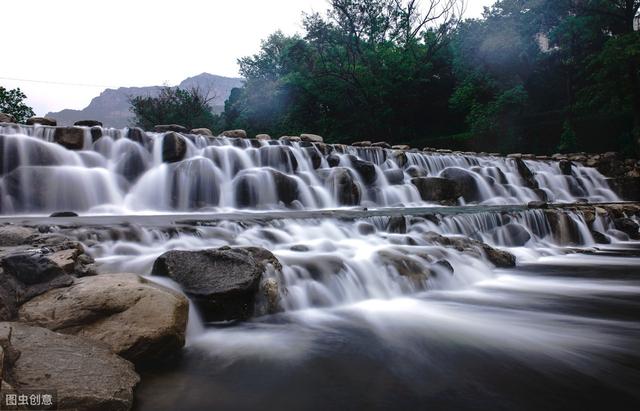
x=111 y=107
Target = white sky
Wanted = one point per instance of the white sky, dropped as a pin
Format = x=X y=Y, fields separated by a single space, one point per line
x=119 y=43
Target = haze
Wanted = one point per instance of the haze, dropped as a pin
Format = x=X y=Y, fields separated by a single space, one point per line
x=89 y=46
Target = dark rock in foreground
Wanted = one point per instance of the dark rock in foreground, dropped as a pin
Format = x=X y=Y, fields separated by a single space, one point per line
x=223 y=282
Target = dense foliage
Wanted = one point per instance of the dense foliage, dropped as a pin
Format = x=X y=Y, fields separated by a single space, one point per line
x=536 y=75
x=12 y=102
x=190 y=108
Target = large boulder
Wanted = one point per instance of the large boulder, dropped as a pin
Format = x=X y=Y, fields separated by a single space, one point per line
x=366 y=169
x=512 y=234
x=239 y=133
x=7 y=118
x=395 y=176
x=279 y=157
x=138 y=135
x=467 y=187
x=499 y=258
x=174 y=147
x=526 y=174
x=223 y=282
x=69 y=137
x=44 y=121
x=140 y=320
x=163 y=128
x=436 y=189
x=83 y=375
x=628 y=226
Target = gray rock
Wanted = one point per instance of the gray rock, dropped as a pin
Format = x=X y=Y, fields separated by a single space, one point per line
x=341 y=182
x=465 y=181
x=223 y=282
x=84 y=375
x=314 y=138
x=202 y=132
x=88 y=123
x=436 y=189
x=239 y=133
x=7 y=118
x=366 y=169
x=628 y=226
x=394 y=176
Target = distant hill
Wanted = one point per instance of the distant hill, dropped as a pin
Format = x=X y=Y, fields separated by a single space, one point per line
x=111 y=107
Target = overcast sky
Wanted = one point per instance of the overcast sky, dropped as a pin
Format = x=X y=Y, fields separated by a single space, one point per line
x=119 y=43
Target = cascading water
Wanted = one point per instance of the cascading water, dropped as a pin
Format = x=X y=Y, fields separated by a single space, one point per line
x=115 y=174
x=378 y=312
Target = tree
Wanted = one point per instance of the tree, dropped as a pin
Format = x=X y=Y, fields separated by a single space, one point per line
x=12 y=102
x=190 y=108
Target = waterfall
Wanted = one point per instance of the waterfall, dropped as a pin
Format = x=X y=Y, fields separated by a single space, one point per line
x=126 y=175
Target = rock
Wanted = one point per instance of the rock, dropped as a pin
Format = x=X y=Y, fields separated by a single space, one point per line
x=64 y=214
x=416 y=171
x=499 y=258
x=239 y=133
x=314 y=157
x=279 y=157
x=84 y=375
x=248 y=185
x=88 y=123
x=395 y=176
x=600 y=238
x=444 y=265
x=542 y=195
x=44 y=121
x=96 y=133
x=381 y=144
x=140 y=320
x=465 y=182
x=341 y=183
x=174 y=147
x=397 y=224
x=565 y=167
x=366 y=169
x=628 y=226
x=223 y=282
x=526 y=174
x=290 y=139
x=138 y=135
x=333 y=160
x=365 y=228
x=263 y=137
x=202 y=132
x=564 y=229
x=362 y=144
x=311 y=138
x=436 y=189
x=403 y=147
x=537 y=205
x=163 y=128
x=7 y=118
x=13 y=235
x=406 y=266
x=628 y=188
x=69 y=137
x=286 y=187
x=34 y=266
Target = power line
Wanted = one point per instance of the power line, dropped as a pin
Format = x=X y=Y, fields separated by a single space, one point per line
x=60 y=83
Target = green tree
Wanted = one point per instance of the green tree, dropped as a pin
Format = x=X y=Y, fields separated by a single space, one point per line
x=190 y=108
x=12 y=102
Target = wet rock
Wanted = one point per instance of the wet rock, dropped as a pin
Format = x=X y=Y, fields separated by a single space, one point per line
x=400 y=158
x=365 y=228
x=628 y=226
x=401 y=147
x=333 y=160
x=314 y=156
x=436 y=189
x=362 y=144
x=499 y=258
x=542 y=195
x=132 y=165
x=366 y=169
x=526 y=174
x=140 y=320
x=263 y=137
x=279 y=157
x=163 y=128
x=563 y=228
x=13 y=235
x=64 y=214
x=138 y=135
x=444 y=265
x=465 y=182
x=223 y=282
x=394 y=176
x=96 y=133
x=44 y=121
x=628 y=188
x=88 y=123
x=286 y=187
x=600 y=238
x=84 y=375
x=69 y=137
x=341 y=182
x=270 y=291
x=312 y=138
x=397 y=224
x=416 y=171
x=194 y=184
x=537 y=205
x=412 y=268
x=565 y=167
x=239 y=133
x=202 y=131
x=381 y=144
x=174 y=147
x=7 y=118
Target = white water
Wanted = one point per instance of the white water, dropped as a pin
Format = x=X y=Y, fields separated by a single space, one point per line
x=117 y=175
